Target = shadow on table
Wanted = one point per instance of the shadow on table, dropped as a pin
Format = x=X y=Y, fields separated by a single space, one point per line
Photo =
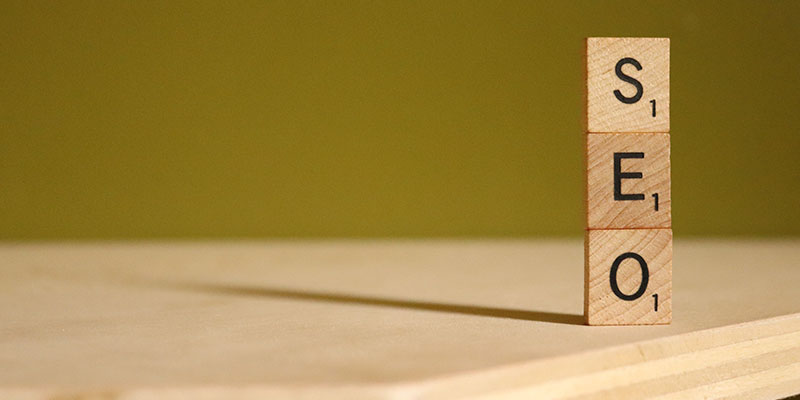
x=325 y=297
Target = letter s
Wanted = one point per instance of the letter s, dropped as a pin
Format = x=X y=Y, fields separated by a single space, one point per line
x=626 y=78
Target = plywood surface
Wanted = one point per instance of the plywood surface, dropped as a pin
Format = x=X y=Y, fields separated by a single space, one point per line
x=385 y=319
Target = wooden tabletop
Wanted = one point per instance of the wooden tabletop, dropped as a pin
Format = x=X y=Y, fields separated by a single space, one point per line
x=385 y=319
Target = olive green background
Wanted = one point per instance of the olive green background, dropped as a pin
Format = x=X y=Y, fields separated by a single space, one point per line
x=144 y=119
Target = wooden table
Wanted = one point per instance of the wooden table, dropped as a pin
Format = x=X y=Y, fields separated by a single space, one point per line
x=385 y=319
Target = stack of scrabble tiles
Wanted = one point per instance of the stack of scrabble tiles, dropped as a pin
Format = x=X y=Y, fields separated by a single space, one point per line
x=628 y=243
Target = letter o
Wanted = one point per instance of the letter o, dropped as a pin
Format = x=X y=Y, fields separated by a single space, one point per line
x=645 y=276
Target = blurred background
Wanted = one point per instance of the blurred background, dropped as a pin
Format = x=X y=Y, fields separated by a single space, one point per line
x=145 y=119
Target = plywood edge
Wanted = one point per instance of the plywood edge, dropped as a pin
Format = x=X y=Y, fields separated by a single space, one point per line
x=758 y=357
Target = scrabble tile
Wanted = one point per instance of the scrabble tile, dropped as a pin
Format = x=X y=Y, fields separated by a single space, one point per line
x=627 y=181
x=627 y=85
x=628 y=277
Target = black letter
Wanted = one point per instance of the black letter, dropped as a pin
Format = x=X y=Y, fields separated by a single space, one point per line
x=645 y=276
x=619 y=176
x=629 y=79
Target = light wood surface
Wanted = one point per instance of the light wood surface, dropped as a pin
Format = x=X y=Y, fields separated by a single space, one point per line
x=383 y=319
x=603 y=211
x=604 y=111
x=644 y=285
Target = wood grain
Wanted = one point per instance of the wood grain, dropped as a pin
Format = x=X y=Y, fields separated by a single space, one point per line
x=601 y=305
x=604 y=111
x=627 y=180
x=384 y=319
x=602 y=210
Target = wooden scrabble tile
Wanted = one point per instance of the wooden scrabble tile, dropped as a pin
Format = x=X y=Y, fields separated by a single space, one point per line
x=627 y=85
x=628 y=277
x=627 y=181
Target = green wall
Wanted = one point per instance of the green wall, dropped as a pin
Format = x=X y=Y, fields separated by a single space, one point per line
x=143 y=119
